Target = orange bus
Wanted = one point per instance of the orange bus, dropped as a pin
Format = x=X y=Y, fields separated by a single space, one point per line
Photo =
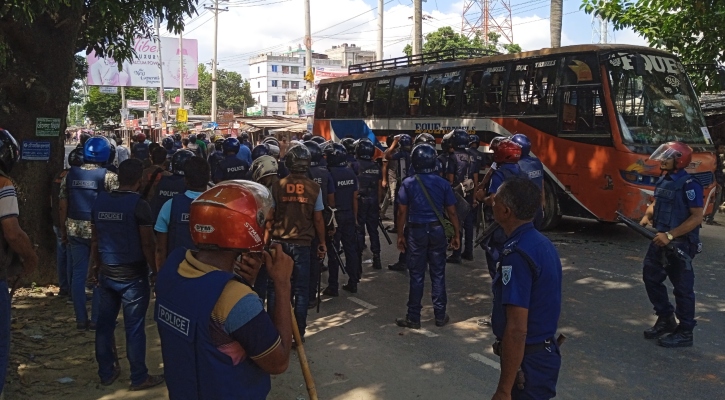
x=593 y=114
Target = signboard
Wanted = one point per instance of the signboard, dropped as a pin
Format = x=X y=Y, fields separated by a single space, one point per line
x=138 y=104
x=182 y=115
x=144 y=71
x=209 y=125
x=254 y=111
x=47 y=126
x=108 y=89
x=225 y=117
x=35 y=150
x=306 y=99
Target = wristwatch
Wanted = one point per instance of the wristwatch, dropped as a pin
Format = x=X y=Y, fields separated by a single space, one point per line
x=669 y=236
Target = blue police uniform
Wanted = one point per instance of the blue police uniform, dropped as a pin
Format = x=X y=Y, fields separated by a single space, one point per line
x=675 y=194
x=179 y=233
x=323 y=178
x=534 y=169
x=353 y=164
x=121 y=241
x=245 y=153
x=369 y=176
x=214 y=159
x=346 y=184
x=231 y=168
x=426 y=241
x=443 y=163
x=140 y=151
x=462 y=167
x=529 y=276
x=178 y=145
x=168 y=187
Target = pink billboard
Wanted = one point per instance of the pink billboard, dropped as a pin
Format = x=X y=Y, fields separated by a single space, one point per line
x=144 y=70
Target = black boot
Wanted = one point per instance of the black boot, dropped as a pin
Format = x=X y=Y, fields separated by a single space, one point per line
x=376 y=262
x=467 y=255
x=398 y=266
x=682 y=337
x=453 y=259
x=663 y=325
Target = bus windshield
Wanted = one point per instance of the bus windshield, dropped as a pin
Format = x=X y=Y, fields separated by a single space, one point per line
x=654 y=100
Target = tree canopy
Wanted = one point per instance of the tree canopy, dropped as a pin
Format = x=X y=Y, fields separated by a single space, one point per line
x=233 y=92
x=446 y=38
x=101 y=107
x=693 y=30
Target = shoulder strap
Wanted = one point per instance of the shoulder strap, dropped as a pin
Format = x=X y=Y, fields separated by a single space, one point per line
x=151 y=182
x=530 y=262
x=430 y=201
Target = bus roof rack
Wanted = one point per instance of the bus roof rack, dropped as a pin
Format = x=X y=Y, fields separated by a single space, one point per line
x=420 y=59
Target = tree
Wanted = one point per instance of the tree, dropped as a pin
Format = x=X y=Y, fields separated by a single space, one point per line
x=233 y=92
x=102 y=107
x=446 y=39
x=691 y=29
x=38 y=42
x=557 y=7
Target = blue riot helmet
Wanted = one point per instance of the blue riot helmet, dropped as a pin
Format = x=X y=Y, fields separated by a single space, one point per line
x=424 y=159
x=474 y=141
x=75 y=158
x=349 y=144
x=259 y=151
x=405 y=142
x=315 y=152
x=336 y=155
x=231 y=145
x=365 y=150
x=179 y=159
x=446 y=142
x=307 y=136
x=96 y=150
x=167 y=143
x=318 y=139
x=523 y=141
x=426 y=138
x=459 y=139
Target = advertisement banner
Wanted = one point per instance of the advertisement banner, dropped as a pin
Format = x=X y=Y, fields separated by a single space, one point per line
x=138 y=104
x=306 y=102
x=108 y=89
x=225 y=117
x=182 y=115
x=143 y=71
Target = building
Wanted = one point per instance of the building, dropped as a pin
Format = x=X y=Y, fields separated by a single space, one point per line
x=271 y=76
x=350 y=55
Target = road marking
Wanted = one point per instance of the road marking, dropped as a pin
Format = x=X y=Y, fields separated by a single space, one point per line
x=491 y=363
x=710 y=296
x=424 y=332
x=362 y=303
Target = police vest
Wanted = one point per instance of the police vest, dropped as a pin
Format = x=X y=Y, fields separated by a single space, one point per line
x=405 y=169
x=194 y=368
x=353 y=164
x=369 y=178
x=462 y=162
x=178 y=145
x=141 y=151
x=533 y=168
x=214 y=160
x=443 y=163
x=233 y=168
x=83 y=186
x=295 y=198
x=119 y=241
x=179 y=233
x=321 y=176
x=344 y=180
x=671 y=208
x=476 y=158
x=168 y=187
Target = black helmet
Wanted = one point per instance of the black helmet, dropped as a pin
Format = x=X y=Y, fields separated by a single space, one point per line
x=84 y=137
x=112 y=154
x=179 y=159
x=201 y=136
x=365 y=150
x=315 y=152
x=177 y=137
x=243 y=136
x=424 y=159
x=259 y=151
x=426 y=138
x=192 y=138
x=298 y=159
x=446 y=142
x=273 y=151
x=405 y=142
x=231 y=145
x=474 y=141
x=9 y=151
x=459 y=139
x=336 y=155
x=75 y=157
x=318 y=139
x=167 y=143
x=349 y=144
x=271 y=140
x=307 y=136
x=219 y=143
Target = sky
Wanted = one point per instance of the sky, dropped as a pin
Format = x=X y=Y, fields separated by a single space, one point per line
x=253 y=27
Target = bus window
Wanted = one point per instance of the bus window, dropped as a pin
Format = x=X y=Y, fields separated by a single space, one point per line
x=400 y=98
x=343 y=100
x=322 y=96
x=483 y=90
x=441 y=94
x=382 y=96
x=582 y=113
x=369 y=99
x=356 y=95
x=332 y=100
x=414 y=88
x=532 y=88
x=472 y=91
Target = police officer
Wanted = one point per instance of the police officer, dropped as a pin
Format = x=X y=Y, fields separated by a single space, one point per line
x=346 y=206
x=231 y=167
x=78 y=193
x=306 y=136
x=171 y=185
x=63 y=260
x=140 y=149
x=211 y=291
x=294 y=221
x=216 y=156
x=676 y=214
x=533 y=168
x=370 y=180
x=122 y=249
x=526 y=297
x=425 y=242
x=445 y=153
x=259 y=151
x=462 y=173
x=349 y=144
x=177 y=142
x=398 y=152
x=168 y=144
x=264 y=171
x=425 y=138
x=244 y=140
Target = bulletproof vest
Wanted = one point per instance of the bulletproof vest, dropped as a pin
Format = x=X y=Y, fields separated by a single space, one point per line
x=194 y=368
x=55 y=196
x=671 y=208
x=83 y=186
x=443 y=163
x=141 y=151
x=295 y=198
x=462 y=161
x=178 y=145
x=476 y=158
x=321 y=176
x=179 y=233
x=119 y=241
x=533 y=168
x=404 y=166
x=214 y=160
x=344 y=180
x=168 y=187
x=353 y=164
x=233 y=168
x=368 y=179
x=509 y=171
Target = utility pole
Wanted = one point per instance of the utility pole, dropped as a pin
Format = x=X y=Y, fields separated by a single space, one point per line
x=379 y=52
x=123 y=105
x=603 y=25
x=214 y=61
x=418 y=27
x=309 y=76
x=145 y=112
x=181 y=70
x=161 y=71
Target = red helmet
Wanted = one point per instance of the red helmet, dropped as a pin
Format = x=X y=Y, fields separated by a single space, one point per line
x=495 y=142
x=681 y=152
x=507 y=152
x=230 y=216
x=140 y=138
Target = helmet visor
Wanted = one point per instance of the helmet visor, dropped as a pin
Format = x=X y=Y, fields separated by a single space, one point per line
x=664 y=153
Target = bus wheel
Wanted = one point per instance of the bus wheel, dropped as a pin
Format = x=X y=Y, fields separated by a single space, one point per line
x=552 y=211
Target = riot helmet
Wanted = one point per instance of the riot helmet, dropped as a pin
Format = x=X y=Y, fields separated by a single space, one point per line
x=231 y=145
x=365 y=150
x=523 y=141
x=459 y=139
x=405 y=142
x=179 y=159
x=336 y=155
x=167 y=143
x=424 y=159
x=507 y=152
x=260 y=150
x=75 y=158
x=96 y=150
x=298 y=159
x=681 y=152
x=426 y=138
x=263 y=166
x=315 y=152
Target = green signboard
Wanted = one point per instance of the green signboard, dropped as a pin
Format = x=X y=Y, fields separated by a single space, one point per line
x=47 y=126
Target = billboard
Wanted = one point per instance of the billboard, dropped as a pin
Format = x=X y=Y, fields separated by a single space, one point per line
x=306 y=99
x=143 y=71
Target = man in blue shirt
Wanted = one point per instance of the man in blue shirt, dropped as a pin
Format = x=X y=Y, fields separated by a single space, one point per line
x=425 y=242
x=526 y=297
x=676 y=214
x=245 y=151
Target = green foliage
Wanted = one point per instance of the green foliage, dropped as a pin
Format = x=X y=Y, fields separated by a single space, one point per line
x=101 y=107
x=446 y=38
x=691 y=29
x=232 y=92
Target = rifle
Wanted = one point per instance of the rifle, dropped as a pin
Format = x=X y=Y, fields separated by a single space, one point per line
x=486 y=234
x=382 y=229
x=336 y=253
x=651 y=235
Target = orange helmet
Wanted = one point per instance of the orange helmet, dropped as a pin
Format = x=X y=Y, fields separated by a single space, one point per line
x=507 y=152
x=140 y=137
x=681 y=152
x=230 y=216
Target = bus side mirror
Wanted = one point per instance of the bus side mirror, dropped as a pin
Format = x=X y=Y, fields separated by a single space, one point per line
x=639 y=65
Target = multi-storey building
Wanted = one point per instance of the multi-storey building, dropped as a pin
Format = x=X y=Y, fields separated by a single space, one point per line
x=350 y=55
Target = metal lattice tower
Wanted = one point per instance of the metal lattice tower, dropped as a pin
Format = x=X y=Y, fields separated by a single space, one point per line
x=600 y=30
x=483 y=16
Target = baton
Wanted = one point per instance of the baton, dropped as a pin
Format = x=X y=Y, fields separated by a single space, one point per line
x=382 y=229
x=336 y=252
x=651 y=235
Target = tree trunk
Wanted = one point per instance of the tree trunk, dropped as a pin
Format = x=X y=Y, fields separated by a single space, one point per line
x=555 y=22
x=35 y=83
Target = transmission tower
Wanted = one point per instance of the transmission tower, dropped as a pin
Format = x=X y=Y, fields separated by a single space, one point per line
x=600 y=30
x=483 y=16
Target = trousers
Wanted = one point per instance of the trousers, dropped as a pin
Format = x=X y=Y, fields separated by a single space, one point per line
x=367 y=219
x=654 y=274
x=80 y=250
x=426 y=247
x=346 y=236
x=300 y=284
x=541 y=371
